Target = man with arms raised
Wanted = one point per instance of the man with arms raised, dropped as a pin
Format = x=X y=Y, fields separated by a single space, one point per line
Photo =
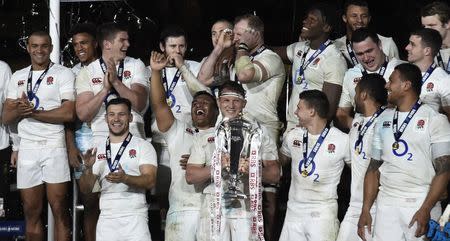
x=184 y=201
x=125 y=167
x=409 y=166
x=40 y=98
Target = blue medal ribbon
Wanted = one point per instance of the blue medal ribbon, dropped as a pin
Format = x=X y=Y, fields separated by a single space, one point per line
x=308 y=159
x=399 y=132
x=429 y=72
x=170 y=98
x=31 y=91
x=362 y=132
x=303 y=64
x=115 y=165
x=441 y=62
x=381 y=71
x=351 y=53
x=112 y=92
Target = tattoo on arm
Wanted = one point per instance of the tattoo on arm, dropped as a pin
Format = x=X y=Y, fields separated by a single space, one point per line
x=442 y=164
x=374 y=165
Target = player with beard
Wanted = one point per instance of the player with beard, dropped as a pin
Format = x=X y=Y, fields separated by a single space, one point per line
x=409 y=166
x=184 y=200
x=356 y=15
x=125 y=167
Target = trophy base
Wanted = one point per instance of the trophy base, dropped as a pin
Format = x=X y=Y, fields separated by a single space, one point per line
x=233 y=194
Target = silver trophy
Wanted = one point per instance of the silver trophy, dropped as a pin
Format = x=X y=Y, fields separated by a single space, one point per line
x=237 y=133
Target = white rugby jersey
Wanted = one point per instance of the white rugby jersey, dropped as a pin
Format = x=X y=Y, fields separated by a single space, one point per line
x=57 y=84
x=408 y=174
x=262 y=97
x=320 y=187
x=90 y=79
x=182 y=97
x=387 y=45
x=352 y=77
x=436 y=89
x=329 y=67
x=445 y=55
x=360 y=161
x=182 y=196
x=118 y=199
x=5 y=75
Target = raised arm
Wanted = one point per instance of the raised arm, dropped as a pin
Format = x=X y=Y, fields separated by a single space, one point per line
x=191 y=80
x=163 y=113
x=88 y=178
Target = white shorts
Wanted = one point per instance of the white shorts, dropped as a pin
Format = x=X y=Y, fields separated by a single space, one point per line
x=36 y=166
x=124 y=228
x=349 y=226
x=181 y=225
x=309 y=228
x=392 y=222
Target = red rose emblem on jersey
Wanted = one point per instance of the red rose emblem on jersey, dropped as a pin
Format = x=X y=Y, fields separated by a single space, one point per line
x=20 y=82
x=211 y=139
x=297 y=143
x=331 y=148
x=420 y=124
x=316 y=62
x=96 y=81
x=430 y=86
x=49 y=80
x=132 y=153
x=126 y=74
x=101 y=156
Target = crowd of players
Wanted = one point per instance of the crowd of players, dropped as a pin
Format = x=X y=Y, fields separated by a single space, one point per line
x=353 y=102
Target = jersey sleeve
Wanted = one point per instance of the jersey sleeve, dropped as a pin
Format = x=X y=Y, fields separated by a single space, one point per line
x=82 y=82
x=445 y=91
x=284 y=149
x=377 y=146
x=346 y=100
x=66 y=87
x=290 y=51
x=11 y=92
x=148 y=154
x=440 y=136
x=141 y=75
x=335 y=69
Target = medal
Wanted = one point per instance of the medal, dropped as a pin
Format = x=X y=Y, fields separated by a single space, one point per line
x=395 y=146
x=363 y=129
x=357 y=150
x=169 y=101
x=305 y=173
x=299 y=80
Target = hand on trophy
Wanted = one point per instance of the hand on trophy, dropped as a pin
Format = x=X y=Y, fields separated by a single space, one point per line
x=243 y=165
x=226 y=161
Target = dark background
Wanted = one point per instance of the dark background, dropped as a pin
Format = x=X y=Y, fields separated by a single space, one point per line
x=282 y=20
